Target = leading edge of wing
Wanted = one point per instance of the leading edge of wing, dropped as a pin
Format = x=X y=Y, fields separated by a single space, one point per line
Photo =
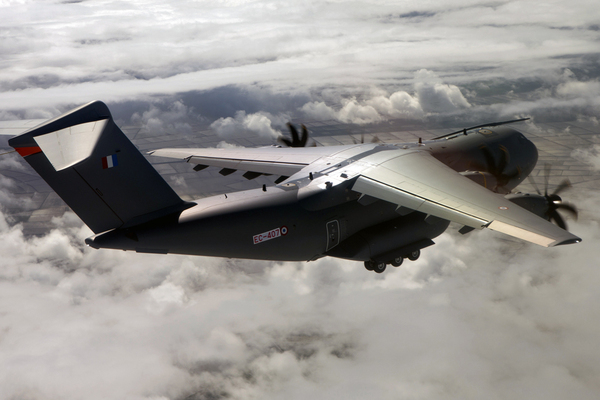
x=267 y=160
x=418 y=181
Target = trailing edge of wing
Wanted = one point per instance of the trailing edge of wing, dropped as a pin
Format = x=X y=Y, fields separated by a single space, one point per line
x=418 y=181
x=408 y=200
x=266 y=160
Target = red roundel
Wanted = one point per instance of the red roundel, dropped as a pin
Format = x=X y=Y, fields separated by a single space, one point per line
x=284 y=230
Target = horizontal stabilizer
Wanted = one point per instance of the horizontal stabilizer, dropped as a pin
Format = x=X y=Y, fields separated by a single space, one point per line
x=16 y=127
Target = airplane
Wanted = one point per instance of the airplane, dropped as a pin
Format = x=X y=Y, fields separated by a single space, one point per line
x=379 y=203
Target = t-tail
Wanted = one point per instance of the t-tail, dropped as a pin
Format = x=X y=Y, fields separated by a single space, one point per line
x=96 y=170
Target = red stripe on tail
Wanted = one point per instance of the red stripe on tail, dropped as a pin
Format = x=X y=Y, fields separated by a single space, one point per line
x=27 y=151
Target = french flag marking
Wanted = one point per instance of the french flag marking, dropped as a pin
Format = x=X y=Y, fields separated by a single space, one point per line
x=109 y=161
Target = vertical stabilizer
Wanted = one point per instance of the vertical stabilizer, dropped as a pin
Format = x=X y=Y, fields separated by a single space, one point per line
x=96 y=170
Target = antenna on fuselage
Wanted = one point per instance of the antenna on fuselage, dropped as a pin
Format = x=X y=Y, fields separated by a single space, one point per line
x=464 y=130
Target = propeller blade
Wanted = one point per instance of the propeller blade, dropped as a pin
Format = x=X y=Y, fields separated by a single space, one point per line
x=535 y=186
x=297 y=140
x=547 y=168
x=504 y=159
x=362 y=139
x=304 y=138
x=294 y=133
x=562 y=186
x=554 y=215
x=286 y=141
x=570 y=208
x=489 y=161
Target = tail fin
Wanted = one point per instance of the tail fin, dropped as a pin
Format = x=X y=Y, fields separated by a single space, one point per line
x=96 y=170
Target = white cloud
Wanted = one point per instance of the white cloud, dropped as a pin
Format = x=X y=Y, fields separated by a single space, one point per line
x=8 y=187
x=455 y=324
x=431 y=97
x=173 y=119
x=575 y=89
x=590 y=155
x=257 y=123
x=398 y=105
x=319 y=111
x=70 y=53
x=356 y=113
x=434 y=96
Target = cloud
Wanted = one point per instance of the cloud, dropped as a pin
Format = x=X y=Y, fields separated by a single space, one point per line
x=575 y=89
x=257 y=123
x=431 y=96
x=434 y=96
x=590 y=156
x=8 y=187
x=454 y=324
x=121 y=54
x=171 y=117
x=398 y=105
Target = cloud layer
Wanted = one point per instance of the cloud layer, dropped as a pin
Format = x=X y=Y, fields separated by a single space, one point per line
x=476 y=317
x=355 y=62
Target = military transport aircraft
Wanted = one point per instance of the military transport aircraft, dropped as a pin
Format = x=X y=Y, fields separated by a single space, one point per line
x=373 y=202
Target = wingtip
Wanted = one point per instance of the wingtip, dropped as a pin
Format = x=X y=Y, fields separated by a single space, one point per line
x=569 y=241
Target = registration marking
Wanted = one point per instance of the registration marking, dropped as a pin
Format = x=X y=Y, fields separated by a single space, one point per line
x=272 y=234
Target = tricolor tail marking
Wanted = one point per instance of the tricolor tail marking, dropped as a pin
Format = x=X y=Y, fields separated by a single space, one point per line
x=109 y=161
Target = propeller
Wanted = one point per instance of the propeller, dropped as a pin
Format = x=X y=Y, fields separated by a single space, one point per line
x=497 y=169
x=297 y=140
x=555 y=203
x=374 y=139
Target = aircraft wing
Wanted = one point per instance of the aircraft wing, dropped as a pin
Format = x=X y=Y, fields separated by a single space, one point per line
x=417 y=181
x=284 y=161
x=414 y=180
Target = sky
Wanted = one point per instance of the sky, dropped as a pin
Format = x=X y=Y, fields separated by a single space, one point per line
x=477 y=316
